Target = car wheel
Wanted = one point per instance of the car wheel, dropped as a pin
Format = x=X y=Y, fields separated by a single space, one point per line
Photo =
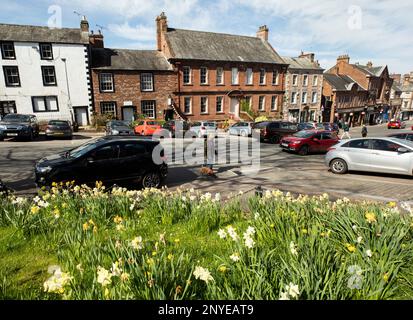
x=338 y=166
x=243 y=133
x=275 y=139
x=151 y=180
x=303 y=151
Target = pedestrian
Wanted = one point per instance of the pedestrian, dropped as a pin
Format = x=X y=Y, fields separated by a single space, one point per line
x=364 y=131
x=346 y=133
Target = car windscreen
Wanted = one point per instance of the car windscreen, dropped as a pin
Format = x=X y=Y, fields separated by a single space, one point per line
x=303 y=134
x=16 y=118
x=58 y=123
x=407 y=143
x=209 y=124
x=84 y=148
x=119 y=123
x=261 y=125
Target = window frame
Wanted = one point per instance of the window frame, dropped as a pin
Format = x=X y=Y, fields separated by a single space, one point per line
x=142 y=75
x=263 y=77
x=249 y=76
x=201 y=75
x=261 y=98
x=190 y=105
x=221 y=105
x=206 y=105
x=295 y=95
x=304 y=94
x=314 y=94
x=274 y=103
x=232 y=76
x=41 y=51
x=45 y=104
x=100 y=82
x=188 y=68
x=3 y=53
x=154 y=109
x=106 y=102
x=275 y=76
x=6 y=79
x=305 y=80
x=222 y=76
x=315 y=80
x=295 y=83
x=44 y=68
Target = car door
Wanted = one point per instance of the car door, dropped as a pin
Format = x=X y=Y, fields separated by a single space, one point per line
x=409 y=137
x=386 y=158
x=328 y=139
x=358 y=153
x=315 y=143
x=102 y=164
x=132 y=158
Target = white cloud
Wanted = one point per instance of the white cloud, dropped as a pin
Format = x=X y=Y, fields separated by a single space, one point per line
x=139 y=32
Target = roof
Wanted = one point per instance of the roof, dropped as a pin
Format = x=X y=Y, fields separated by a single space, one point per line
x=122 y=59
x=199 y=45
x=24 y=33
x=302 y=63
x=341 y=82
x=371 y=71
x=396 y=87
x=407 y=87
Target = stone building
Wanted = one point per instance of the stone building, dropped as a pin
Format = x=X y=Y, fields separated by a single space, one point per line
x=303 y=89
x=223 y=76
x=407 y=97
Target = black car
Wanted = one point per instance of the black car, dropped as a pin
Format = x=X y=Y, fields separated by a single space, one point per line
x=175 y=128
x=15 y=125
x=110 y=159
x=273 y=131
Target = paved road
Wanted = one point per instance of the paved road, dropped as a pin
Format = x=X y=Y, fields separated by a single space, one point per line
x=278 y=169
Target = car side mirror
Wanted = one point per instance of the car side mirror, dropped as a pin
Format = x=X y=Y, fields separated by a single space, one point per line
x=403 y=150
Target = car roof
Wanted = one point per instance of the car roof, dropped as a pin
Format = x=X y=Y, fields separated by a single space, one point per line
x=127 y=138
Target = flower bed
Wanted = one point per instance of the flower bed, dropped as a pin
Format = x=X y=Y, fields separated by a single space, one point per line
x=158 y=244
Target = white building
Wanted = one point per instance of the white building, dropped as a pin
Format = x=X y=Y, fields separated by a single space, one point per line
x=45 y=72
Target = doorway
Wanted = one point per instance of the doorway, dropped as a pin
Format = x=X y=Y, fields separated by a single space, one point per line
x=128 y=114
x=234 y=108
x=81 y=116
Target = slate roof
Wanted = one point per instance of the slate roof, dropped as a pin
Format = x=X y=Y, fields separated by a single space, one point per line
x=122 y=59
x=24 y=33
x=341 y=82
x=373 y=71
x=302 y=63
x=199 y=45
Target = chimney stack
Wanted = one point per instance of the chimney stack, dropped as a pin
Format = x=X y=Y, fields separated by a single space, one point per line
x=342 y=61
x=161 y=29
x=309 y=56
x=96 y=40
x=263 y=32
x=84 y=29
x=369 y=64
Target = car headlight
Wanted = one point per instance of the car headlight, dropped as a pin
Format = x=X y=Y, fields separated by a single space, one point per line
x=44 y=169
x=3 y=127
x=115 y=132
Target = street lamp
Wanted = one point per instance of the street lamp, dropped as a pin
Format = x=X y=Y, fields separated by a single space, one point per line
x=69 y=103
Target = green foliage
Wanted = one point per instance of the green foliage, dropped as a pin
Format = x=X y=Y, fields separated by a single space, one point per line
x=157 y=244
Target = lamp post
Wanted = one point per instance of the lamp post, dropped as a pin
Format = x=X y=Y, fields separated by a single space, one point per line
x=69 y=103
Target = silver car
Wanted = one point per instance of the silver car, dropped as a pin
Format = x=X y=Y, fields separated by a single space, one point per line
x=204 y=128
x=384 y=155
x=243 y=129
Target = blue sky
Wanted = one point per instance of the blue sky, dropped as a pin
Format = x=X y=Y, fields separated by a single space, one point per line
x=380 y=30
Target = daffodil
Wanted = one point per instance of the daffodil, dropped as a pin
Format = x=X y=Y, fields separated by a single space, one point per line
x=170 y=256
x=223 y=269
x=34 y=209
x=350 y=247
x=104 y=276
x=235 y=257
x=386 y=277
x=203 y=274
x=371 y=217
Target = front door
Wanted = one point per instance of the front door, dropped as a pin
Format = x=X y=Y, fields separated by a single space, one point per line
x=234 y=108
x=128 y=114
x=81 y=116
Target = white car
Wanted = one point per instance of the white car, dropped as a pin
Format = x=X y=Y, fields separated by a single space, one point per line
x=243 y=129
x=204 y=128
x=384 y=155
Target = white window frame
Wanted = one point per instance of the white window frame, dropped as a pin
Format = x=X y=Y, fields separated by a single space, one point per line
x=189 y=71
x=222 y=104
x=104 y=104
x=190 y=105
x=314 y=97
x=147 y=79
x=105 y=82
x=43 y=49
x=263 y=76
x=315 y=80
x=261 y=106
x=206 y=105
x=144 y=110
x=295 y=83
x=205 y=69
x=250 y=77
x=274 y=103
x=304 y=94
x=220 y=71
x=275 y=76
x=234 y=76
x=294 y=97
x=305 y=80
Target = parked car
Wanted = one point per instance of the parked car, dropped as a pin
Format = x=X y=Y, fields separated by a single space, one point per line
x=306 y=126
x=403 y=136
x=384 y=155
x=243 y=129
x=309 y=141
x=174 y=128
x=396 y=124
x=110 y=159
x=274 y=131
x=16 y=125
x=147 y=127
x=204 y=128
x=328 y=126
x=118 y=127
x=59 y=129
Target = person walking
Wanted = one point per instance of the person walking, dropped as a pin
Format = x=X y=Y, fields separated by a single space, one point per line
x=346 y=133
x=364 y=131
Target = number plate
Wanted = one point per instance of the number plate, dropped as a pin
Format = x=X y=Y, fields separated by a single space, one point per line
x=284 y=145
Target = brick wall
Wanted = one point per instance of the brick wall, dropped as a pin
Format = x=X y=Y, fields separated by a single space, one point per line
x=127 y=87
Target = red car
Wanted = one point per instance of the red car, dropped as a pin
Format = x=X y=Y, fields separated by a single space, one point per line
x=396 y=124
x=309 y=141
x=147 y=127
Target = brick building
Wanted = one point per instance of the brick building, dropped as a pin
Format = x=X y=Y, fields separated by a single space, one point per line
x=220 y=76
x=374 y=79
x=407 y=97
x=303 y=90
x=130 y=83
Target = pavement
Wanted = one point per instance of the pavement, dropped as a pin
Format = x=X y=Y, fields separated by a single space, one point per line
x=278 y=170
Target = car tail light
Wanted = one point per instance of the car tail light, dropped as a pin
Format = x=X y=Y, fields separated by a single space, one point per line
x=202 y=128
